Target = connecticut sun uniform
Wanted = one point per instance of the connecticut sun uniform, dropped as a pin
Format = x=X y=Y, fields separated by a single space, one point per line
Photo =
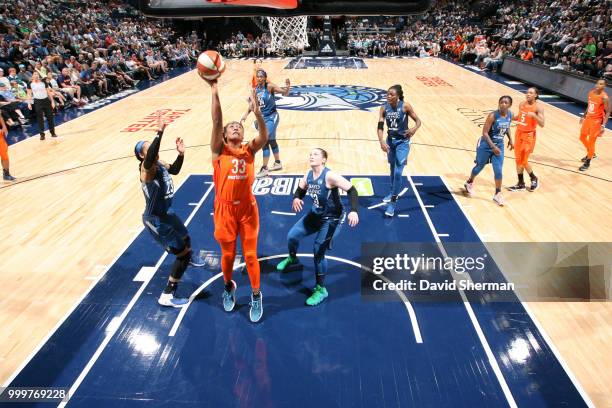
x=593 y=124
x=236 y=210
x=525 y=133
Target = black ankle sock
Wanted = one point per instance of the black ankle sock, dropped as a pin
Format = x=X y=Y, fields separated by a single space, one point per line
x=264 y=167
x=532 y=176
x=256 y=295
x=521 y=179
x=276 y=161
x=6 y=172
x=393 y=198
x=497 y=190
x=320 y=279
x=171 y=287
x=229 y=286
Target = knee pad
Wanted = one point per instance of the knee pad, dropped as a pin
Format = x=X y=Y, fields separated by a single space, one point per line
x=180 y=265
x=266 y=150
x=273 y=145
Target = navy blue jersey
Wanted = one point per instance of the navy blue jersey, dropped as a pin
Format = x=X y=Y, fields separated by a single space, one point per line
x=397 y=120
x=500 y=127
x=158 y=192
x=266 y=100
x=326 y=201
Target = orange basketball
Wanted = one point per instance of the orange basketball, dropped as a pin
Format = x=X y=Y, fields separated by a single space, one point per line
x=210 y=65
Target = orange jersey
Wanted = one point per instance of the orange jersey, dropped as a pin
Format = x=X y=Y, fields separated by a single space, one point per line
x=596 y=108
x=234 y=173
x=525 y=123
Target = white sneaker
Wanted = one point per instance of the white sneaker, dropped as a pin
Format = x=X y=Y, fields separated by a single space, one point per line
x=499 y=199
x=276 y=166
x=469 y=188
x=168 y=299
x=263 y=172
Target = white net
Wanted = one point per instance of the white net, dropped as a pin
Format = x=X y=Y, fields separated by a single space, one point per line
x=288 y=32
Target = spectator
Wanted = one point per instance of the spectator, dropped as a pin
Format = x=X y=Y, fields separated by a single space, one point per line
x=43 y=104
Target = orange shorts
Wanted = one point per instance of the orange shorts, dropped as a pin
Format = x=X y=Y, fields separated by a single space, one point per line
x=236 y=218
x=3 y=147
x=524 y=143
x=591 y=128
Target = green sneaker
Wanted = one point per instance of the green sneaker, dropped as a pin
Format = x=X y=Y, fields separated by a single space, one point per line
x=318 y=295
x=285 y=263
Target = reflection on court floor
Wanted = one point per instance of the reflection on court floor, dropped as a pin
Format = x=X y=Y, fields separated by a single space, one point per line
x=119 y=348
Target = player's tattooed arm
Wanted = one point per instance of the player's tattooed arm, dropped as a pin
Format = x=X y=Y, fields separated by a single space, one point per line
x=417 y=122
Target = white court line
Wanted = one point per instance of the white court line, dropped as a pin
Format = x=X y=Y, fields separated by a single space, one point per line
x=514 y=82
x=418 y=184
x=383 y=203
x=193 y=204
x=429 y=206
x=468 y=308
x=547 y=339
x=117 y=323
x=283 y=213
x=413 y=320
x=403 y=215
x=443 y=235
x=74 y=306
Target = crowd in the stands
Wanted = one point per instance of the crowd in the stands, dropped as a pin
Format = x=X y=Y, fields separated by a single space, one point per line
x=570 y=35
x=81 y=51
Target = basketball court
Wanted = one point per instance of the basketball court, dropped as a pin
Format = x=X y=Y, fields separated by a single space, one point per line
x=80 y=276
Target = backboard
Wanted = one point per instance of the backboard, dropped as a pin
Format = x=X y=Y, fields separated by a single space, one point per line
x=203 y=8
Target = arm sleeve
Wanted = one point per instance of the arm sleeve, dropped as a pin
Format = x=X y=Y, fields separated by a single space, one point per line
x=153 y=151
x=299 y=193
x=354 y=198
x=176 y=166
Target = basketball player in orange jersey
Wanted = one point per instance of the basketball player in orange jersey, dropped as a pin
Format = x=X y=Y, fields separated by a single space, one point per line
x=256 y=67
x=236 y=210
x=530 y=115
x=594 y=121
x=6 y=175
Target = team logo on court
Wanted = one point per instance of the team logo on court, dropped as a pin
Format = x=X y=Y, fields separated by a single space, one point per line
x=332 y=98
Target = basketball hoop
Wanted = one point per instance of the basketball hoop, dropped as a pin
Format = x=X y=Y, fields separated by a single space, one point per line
x=288 y=32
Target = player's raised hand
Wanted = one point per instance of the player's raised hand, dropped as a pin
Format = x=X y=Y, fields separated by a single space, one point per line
x=161 y=122
x=211 y=82
x=180 y=145
x=353 y=218
x=297 y=205
x=254 y=103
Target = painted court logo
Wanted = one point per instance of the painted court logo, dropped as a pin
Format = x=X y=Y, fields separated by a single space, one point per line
x=332 y=98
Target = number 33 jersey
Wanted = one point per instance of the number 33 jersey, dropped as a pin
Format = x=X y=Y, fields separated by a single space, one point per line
x=234 y=173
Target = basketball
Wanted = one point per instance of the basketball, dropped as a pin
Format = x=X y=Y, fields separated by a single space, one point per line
x=210 y=65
